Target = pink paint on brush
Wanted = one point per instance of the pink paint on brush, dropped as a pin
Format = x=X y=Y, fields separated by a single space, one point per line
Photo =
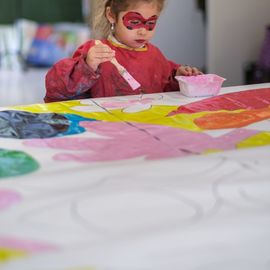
x=126 y=75
x=200 y=85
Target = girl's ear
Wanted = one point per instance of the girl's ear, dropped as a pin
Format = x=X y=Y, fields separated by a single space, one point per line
x=110 y=16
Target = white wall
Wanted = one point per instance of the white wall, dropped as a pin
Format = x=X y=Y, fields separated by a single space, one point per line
x=180 y=33
x=235 y=33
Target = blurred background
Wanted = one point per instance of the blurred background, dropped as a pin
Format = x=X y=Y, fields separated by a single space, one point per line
x=230 y=38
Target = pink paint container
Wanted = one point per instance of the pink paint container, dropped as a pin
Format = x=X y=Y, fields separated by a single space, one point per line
x=201 y=85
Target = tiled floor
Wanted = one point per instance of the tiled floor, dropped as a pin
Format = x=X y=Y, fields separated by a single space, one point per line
x=22 y=87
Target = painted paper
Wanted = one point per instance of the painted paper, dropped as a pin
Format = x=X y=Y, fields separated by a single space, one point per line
x=150 y=182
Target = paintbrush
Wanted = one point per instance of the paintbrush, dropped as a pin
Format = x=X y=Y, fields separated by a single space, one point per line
x=123 y=72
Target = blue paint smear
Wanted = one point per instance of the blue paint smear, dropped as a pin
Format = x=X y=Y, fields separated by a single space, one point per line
x=27 y=125
x=74 y=127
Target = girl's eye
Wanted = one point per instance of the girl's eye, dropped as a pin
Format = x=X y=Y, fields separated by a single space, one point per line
x=134 y=22
x=151 y=23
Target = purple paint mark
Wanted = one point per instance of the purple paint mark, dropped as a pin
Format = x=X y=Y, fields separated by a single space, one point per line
x=8 y=198
x=24 y=245
x=122 y=141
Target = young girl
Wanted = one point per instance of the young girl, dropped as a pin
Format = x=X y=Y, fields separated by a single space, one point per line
x=122 y=62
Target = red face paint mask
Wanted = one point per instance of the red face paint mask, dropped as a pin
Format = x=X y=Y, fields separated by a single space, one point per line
x=134 y=20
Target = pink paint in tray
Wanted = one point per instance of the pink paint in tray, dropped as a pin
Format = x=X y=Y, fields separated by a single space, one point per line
x=201 y=85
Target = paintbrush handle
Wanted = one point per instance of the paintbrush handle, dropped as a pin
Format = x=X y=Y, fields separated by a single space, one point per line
x=123 y=72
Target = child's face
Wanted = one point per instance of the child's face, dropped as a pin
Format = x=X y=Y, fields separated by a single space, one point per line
x=136 y=26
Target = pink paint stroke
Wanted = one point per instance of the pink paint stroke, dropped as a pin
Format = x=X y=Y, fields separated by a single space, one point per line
x=25 y=245
x=124 y=104
x=123 y=141
x=9 y=198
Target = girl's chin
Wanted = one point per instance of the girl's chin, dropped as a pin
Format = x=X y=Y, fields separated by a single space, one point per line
x=137 y=44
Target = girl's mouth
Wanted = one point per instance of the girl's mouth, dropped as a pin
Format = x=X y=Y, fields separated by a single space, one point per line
x=140 y=41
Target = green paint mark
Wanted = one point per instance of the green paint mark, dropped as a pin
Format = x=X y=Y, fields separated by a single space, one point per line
x=13 y=163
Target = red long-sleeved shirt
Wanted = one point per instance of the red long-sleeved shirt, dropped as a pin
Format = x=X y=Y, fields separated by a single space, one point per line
x=72 y=78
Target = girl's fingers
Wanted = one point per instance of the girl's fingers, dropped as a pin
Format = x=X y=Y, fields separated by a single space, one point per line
x=103 y=52
x=98 y=54
x=101 y=47
x=105 y=59
x=104 y=55
x=189 y=71
x=196 y=71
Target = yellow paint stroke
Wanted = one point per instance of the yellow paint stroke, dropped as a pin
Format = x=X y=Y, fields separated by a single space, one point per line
x=155 y=115
x=211 y=151
x=261 y=139
x=7 y=254
x=57 y=107
x=66 y=108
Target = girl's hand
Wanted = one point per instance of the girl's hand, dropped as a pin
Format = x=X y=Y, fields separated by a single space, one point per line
x=98 y=54
x=188 y=71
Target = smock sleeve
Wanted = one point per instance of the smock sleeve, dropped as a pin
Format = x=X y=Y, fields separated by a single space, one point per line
x=172 y=84
x=71 y=78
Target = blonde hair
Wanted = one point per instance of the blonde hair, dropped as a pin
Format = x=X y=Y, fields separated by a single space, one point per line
x=100 y=26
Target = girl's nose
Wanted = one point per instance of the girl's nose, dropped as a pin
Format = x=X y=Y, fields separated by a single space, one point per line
x=142 y=31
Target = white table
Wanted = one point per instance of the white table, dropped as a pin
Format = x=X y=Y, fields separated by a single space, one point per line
x=22 y=87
